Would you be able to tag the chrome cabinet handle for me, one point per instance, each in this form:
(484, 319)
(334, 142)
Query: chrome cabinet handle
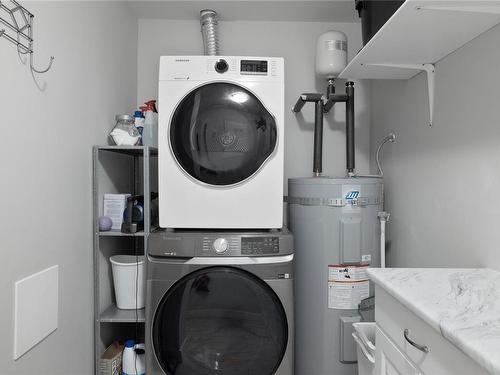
(422, 348)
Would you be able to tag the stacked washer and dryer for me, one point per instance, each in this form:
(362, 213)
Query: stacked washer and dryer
(219, 276)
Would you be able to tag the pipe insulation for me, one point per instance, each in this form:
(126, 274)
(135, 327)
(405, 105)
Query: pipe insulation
(318, 139)
(209, 31)
(350, 144)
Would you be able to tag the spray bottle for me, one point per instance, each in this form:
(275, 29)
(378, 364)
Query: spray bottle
(150, 132)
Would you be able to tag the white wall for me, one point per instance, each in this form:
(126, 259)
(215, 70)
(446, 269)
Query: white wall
(46, 168)
(442, 183)
(296, 42)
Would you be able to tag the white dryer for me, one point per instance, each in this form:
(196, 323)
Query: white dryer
(221, 125)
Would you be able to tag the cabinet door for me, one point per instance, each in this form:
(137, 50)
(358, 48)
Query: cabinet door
(389, 360)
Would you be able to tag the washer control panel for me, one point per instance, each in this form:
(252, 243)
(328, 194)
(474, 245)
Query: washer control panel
(260, 245)
(242, 245)
(220, 245)
(179, 243)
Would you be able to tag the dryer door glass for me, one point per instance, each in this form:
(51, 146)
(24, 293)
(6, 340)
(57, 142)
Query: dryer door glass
(221, 321)
(221, 134)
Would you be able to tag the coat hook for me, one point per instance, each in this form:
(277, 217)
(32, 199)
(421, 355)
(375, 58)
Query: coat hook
(40, 71)
(24, 40)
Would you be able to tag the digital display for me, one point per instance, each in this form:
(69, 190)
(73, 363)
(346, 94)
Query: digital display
(253, 67)
(260, 245)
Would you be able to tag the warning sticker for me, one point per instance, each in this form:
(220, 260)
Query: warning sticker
(347, 286)
(347, 273)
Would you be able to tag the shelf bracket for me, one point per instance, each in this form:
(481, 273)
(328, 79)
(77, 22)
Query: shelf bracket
(430, 69)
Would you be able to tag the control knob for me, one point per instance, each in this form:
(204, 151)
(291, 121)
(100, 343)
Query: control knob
(220, 245)
(221, 66)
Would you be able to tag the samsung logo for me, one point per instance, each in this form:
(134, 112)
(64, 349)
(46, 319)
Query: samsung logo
(182, 60)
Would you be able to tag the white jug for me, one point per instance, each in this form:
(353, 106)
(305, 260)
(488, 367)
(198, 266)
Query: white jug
(133, 359)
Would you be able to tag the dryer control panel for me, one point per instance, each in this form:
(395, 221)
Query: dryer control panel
(234, 68)
(258, 67)
(178, 243)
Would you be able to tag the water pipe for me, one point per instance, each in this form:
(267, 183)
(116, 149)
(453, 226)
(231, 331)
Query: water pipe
(384, 218)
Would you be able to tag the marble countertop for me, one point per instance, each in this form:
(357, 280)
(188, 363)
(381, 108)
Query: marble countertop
(463, 305)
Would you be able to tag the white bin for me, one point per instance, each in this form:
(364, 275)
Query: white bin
(128, 278)
(364, 336)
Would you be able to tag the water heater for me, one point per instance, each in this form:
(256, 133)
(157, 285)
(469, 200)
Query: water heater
(336, 231)
(331, 54)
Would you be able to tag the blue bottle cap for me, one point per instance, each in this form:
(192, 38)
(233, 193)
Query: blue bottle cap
(129, 343)
(138, 114)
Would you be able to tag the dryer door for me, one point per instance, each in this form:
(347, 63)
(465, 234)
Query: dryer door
(221, 321)
(221, 134)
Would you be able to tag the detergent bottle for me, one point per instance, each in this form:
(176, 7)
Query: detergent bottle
(150, 132)
(133, 359)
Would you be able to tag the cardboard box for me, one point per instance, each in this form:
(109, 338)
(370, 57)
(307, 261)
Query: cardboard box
(111, 360)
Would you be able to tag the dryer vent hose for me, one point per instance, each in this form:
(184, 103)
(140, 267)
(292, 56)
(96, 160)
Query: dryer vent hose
(209, 22)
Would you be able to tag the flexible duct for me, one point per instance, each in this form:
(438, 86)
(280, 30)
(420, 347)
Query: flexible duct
(209, 22)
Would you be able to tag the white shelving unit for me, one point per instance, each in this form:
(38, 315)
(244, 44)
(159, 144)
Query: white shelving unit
(420, 34)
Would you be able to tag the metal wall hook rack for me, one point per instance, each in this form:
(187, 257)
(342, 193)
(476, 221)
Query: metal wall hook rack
(19, 30)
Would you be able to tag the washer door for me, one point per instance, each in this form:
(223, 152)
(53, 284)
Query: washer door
(221, 321)
(221, 134)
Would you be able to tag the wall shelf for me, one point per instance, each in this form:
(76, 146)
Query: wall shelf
(420, 34)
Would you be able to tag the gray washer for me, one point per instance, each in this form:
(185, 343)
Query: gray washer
(219, 302)
(334, 221)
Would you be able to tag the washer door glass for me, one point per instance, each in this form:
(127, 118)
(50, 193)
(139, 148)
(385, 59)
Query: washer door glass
(220, 321)
(221, 134)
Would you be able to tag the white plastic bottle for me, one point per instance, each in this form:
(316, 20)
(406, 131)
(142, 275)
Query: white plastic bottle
(139, 124)
(132, 362)
(150, 132)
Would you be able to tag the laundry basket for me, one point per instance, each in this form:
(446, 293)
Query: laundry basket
(128, 278)
(364, 336)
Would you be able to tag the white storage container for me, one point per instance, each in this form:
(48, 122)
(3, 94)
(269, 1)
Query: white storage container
(364, 336)
(133, 363)
(128, 278)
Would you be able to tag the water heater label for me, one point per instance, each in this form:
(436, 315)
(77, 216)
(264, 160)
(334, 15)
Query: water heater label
(347, 296)
(347, 286)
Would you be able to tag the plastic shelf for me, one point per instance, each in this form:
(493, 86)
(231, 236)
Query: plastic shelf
(116, 233)
(114, 315)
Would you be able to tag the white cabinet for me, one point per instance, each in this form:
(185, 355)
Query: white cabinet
(397, 354)
(388, 358)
